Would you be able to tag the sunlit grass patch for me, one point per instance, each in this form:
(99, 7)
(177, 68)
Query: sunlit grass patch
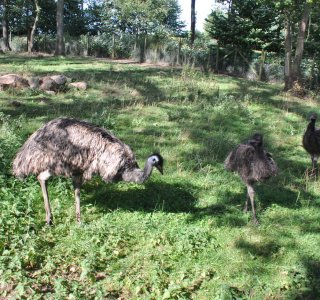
(182, 235)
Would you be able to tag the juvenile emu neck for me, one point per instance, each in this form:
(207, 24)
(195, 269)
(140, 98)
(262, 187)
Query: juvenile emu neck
(312, 125)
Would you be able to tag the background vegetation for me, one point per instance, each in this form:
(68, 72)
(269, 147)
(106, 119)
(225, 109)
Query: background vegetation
(258, 39)
(181, 235)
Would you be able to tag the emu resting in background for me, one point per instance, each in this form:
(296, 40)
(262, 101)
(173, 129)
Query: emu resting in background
(253, 164)
(311, 141)
(78, 149)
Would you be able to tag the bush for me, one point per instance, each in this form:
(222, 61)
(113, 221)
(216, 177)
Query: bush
(19, 44)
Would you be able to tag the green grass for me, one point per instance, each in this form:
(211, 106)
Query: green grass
(181, 235)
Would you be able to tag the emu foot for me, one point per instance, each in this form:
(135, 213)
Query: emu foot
(255, 221)
(49, 222)
(311, 173)
(78, 218)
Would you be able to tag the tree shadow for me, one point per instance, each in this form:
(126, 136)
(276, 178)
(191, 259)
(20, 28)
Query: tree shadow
(229, 210)
(311, 282)
(212, 145)
(264, 248)
(112, 97)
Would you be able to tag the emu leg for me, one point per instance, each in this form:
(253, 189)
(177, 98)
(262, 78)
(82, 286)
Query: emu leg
(43, 177)
(314, 160)
(251, 196)
(77, 182)
(245, 209)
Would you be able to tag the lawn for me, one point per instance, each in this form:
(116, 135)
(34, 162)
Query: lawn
(181, 235)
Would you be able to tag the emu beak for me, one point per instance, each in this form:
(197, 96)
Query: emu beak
(160, 169)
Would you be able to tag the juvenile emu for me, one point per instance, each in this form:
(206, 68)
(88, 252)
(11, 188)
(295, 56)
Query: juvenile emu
(253, 164)
(311, 140)
(78, 149)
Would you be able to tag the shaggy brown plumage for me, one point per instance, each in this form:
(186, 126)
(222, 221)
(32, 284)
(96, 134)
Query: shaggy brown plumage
(78, 149)
(311, 140)
(253, 164)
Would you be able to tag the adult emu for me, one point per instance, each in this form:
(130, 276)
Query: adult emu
(253, 164)
(311, 140)
(78, 149)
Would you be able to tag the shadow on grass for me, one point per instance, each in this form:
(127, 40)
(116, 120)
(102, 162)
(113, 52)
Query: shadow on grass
(311, 290)
(264, 249)
(149, 197)
(216, 132)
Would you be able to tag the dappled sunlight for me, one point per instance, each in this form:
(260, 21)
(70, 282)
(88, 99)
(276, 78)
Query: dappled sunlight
(186, 226)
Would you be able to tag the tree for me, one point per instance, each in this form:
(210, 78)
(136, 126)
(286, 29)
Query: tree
(74, 18)
(300, 43)
(292, 65)
(47, 23)
(259, 25)
(193, 21)
(247, 24)
(34, 26)
(141, 19)
(60, 47)
(5, 22)
(287, 53)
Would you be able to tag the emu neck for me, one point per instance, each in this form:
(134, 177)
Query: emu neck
(138, 175)
(260, 152)
(312, 125)
(146, 171)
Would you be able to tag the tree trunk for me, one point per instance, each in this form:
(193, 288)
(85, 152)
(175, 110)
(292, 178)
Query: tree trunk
(142, 57)
(287, 56)
(113, 54)
(34, 27)
(179, 52)
(86, 50)
(60, 48)
(300, 43)
(5, 36)
(217, 60)
(262, 60)
(193, 21)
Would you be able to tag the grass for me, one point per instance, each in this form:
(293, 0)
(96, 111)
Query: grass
(181, 235)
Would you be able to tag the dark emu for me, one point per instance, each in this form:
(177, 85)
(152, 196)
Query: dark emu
(311, 141)
(78, 149)
(253, 164)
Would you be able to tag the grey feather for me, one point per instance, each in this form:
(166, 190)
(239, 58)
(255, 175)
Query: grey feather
(252, 163)
(73, 148)
(311, 140)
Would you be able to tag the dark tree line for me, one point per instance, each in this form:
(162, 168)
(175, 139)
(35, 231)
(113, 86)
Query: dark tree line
(82, 17)
(288, 28)
(283, 27)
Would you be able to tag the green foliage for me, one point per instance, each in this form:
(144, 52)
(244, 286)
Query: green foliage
(181, 235)
(246, 25)
(141, 17)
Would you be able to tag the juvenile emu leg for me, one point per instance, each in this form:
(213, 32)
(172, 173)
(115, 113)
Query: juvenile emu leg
(251, 196)
(314, 160)
(43, 177)
(77, 182)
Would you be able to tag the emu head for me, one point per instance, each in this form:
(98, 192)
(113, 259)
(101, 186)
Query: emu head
(313, 117)
(256, 140)
(156, 160)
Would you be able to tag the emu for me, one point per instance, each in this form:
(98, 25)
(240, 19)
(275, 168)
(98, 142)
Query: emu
(77, 149)
(311, 140)
(253, 164)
